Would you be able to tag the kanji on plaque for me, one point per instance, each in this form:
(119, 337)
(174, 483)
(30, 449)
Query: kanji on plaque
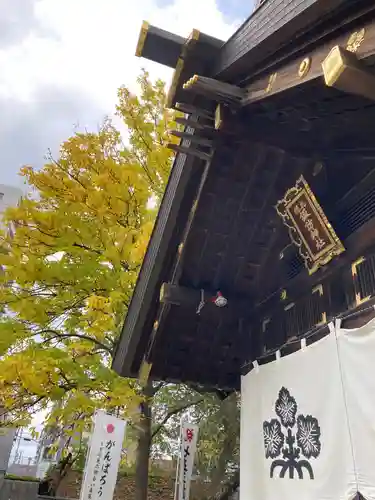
(309, 228)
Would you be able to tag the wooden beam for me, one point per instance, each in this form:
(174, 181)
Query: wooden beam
(226, 121)
(215, 89)
(172, 294)
(159, 45)
(342, 70)
(186, 48)
(272, 28)
(191, 123)
(179, 295)
(200, 300)
(308, 68)
(194, 139)
(189, 151)
(193, 110)
(144, 373)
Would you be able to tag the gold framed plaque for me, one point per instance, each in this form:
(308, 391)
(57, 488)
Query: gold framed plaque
(309, 228)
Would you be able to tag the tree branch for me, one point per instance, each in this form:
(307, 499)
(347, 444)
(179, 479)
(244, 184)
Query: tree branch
(57, 335)
(85, 247)
(175, 411)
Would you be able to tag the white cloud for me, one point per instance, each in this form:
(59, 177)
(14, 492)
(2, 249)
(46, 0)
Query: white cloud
(67, 68)
(94, 43)
(61, 66)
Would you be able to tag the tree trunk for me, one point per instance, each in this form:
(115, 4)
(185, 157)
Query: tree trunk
(143, 451)
(228, 409)
(57, 474)
(221, 465)
(231, 487)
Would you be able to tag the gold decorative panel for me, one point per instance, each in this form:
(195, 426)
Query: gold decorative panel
(308, 226)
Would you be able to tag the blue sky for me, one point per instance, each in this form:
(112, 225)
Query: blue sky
(233, 10)
(61, 62)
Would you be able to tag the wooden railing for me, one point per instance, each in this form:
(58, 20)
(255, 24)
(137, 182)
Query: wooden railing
(294, 318)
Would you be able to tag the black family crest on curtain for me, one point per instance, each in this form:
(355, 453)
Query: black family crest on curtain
(291, 440)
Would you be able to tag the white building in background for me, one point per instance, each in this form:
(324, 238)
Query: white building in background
(9, 197)
(47, 455)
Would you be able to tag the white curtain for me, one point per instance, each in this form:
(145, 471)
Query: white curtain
(295, 435)
(357, 359)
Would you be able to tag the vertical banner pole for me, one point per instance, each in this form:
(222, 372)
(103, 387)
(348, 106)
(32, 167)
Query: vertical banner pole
(189, 440)
(178, 462)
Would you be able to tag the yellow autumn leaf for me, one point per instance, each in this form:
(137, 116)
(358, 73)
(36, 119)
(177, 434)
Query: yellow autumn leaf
(69, 270)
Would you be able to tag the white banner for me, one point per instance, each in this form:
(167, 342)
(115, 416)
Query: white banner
(189, 438)
(357, 360)
(103, 458)
(295, 440)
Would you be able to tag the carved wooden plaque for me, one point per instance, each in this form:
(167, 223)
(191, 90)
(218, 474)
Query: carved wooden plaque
(308, 227)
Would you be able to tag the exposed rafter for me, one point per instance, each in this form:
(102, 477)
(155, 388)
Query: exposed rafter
(194, 139)
(189, 151)
(215, 90)
(173, 294)
(191, 109)
(186, 122)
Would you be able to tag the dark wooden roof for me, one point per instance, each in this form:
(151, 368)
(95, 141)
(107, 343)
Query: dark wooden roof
(223, 210)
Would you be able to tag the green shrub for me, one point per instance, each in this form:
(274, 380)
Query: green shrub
(21, 478)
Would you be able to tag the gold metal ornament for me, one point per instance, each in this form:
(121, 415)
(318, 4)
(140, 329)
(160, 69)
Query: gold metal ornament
(304, 67)
(218, 117)
(271, 82)
(190, 82)
(355, 40)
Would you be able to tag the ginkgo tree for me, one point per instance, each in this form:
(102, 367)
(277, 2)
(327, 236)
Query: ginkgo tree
(68, 269)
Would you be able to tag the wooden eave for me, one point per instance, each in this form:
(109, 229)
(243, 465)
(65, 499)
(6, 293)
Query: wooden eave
(279, 29)
(159, 255)
(159, 45)
(264, 146)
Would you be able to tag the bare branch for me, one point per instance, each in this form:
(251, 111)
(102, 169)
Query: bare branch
(85, 247)
(175, 411)
(57, 335)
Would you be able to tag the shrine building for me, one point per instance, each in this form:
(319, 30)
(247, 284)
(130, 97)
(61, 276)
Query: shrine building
(282, 112)
(266, 233)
